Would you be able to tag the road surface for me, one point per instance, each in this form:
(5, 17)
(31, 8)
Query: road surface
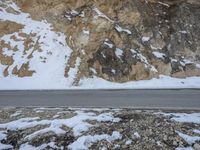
(179, 99)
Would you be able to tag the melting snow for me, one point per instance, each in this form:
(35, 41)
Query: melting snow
(128, 142)
(2, 135)
(189, 139)
(74, 13)
(5, 146)
(159, 55)
(84, 142)
(77, 123)
(184, 148)
(185, 62)
(196, 131)
(163, 82)
(43, 146)
(184, 117)
(198, 66)
(119, 52)
(55, 52)
(145, 39)
(17, 113)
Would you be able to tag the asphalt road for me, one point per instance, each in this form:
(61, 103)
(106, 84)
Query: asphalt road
(179, 99)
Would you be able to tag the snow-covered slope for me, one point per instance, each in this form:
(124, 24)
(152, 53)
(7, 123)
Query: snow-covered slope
(48, 60)
(35, 55)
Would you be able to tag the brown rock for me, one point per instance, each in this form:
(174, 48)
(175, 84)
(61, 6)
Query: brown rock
(8, 27)
(6, 60)
(5, 72)
(23, 71)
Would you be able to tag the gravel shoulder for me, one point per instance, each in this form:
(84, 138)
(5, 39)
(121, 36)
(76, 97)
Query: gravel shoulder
(87, 128)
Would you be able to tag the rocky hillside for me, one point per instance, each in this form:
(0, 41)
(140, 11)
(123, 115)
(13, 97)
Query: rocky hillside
(119, 41)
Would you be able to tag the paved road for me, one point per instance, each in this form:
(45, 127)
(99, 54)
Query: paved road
(186, 99)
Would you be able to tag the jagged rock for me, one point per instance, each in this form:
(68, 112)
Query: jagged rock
(97, 30)
(23, 71)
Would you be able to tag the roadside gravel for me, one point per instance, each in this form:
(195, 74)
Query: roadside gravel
(82, 128)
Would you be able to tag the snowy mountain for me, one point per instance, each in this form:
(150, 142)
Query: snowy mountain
(61, 44)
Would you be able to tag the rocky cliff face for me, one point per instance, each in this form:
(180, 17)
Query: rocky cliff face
(119, 40)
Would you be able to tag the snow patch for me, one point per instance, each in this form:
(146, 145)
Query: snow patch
(27, 146)
(159, 55)
(77, 123)
(119, 52)
(2, 135)
(84, 142)
(74, 13)
(163, 82)
(128, 142)
(86, 32)
(184, 117)
(120, 29)
(108, 44)
(185, 62)
(145, 39)
(136, 135)
(184, 148)
(17, 113)
(196, 131)
(198, 66)
(5, 146)
(73, 71)
(189, 139)
(93, 70)
(113, 71)
(52, 54)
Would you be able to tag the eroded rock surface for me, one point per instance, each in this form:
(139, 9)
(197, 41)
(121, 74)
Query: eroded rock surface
(124, 40)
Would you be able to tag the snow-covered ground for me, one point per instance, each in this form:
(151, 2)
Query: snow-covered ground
(34, 83)
(87, 128)
(77, 123)
(50, 63)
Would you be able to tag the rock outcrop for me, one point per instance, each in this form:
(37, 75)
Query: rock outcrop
(123, 40)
